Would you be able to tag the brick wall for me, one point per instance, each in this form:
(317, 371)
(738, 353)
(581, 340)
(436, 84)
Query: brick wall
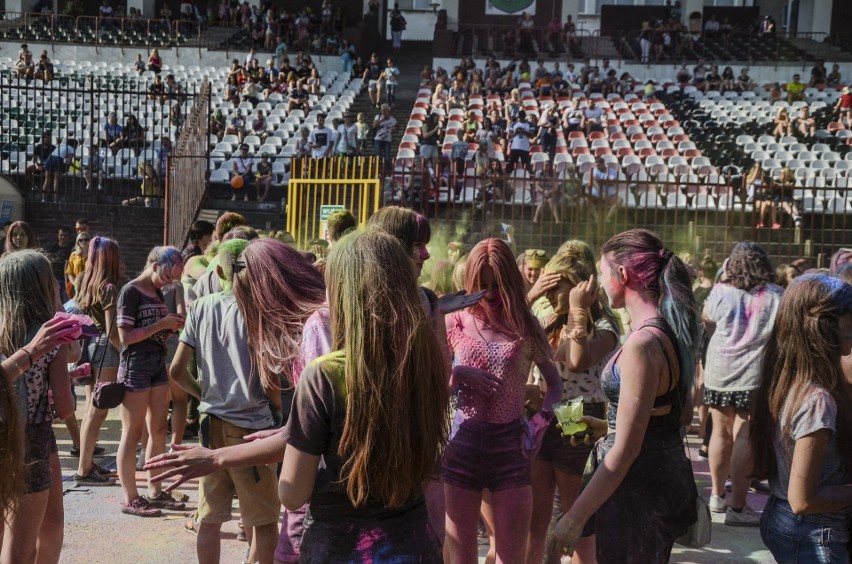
(137, 229)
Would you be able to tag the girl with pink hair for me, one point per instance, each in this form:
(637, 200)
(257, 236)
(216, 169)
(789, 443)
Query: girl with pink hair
(494, 344)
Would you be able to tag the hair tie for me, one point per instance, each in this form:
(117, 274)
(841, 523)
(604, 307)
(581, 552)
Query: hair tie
(665, 254)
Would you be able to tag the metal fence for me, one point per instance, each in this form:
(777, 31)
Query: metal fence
(186, 171)
(99, 31)
(319, 186)
(509, 42)
(695, 216)
(77, 107)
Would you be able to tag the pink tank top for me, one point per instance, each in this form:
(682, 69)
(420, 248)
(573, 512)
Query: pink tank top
(510, 362)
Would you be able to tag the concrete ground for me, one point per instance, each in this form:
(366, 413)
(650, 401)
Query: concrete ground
(97, 532)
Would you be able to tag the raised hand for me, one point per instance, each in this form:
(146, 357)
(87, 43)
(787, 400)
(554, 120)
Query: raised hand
(546, 282)
(584, 294)
(448, 303)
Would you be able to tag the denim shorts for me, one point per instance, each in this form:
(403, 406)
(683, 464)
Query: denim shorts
(101, 348)
(820, 538)
(141, 370)
(483, 455)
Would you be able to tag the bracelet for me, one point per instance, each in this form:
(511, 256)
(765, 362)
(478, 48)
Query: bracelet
(29, 357)
(577, 327)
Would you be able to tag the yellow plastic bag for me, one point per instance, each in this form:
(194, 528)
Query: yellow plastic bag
(567, 414)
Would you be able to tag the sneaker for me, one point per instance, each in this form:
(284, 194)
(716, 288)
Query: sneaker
(140, 507)
(717, 504)
(759, 226)
(798, 221)
(746, 517)
(93, 478)
(776, 226)
(758, 486)
(105, 471)
(165, 501)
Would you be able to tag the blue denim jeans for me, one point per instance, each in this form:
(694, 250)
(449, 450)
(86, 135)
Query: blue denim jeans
(791, 538)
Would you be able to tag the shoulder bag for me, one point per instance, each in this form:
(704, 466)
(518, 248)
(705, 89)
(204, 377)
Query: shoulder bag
(106, 395)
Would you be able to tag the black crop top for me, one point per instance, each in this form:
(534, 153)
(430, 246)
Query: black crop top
(611, 383)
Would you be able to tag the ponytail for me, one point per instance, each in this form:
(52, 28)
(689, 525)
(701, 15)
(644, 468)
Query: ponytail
(657, 271)
(678, 307)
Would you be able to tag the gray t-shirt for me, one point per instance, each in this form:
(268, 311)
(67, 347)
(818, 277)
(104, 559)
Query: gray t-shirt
(743, 321)
(818, 411)
(230, 390)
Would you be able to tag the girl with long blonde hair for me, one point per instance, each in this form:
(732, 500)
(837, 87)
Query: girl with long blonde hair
(375, 410)
(583, 334)
(97, 299)
(494, 344)
(28, 299)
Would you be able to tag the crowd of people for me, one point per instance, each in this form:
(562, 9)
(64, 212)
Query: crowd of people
(382, 389)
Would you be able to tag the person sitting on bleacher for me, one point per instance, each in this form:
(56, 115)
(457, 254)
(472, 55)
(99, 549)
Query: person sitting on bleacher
(469, 127)
(744, 82)
(572, 117)
(592, 118)
(818, 75)
(561, 87)
(40, 154)
(699, 74)
(544, 85)
(231, 93)
(258, 126)
(714, 80)
(783, 125)
(113, 132)
(173, 90)
(594, 82)
(155, 62)
(250, 92)
(805, 124)
(456, 102)
(313, 83)
(834, 79)
(157, 88)
(263, 177)
(133, 135)
(237, 126)
(243, 165)
(795, 89)
(298, 97)
(25, 68)
(44, 69)
(56, 165)
(782, 196)
(603, 192)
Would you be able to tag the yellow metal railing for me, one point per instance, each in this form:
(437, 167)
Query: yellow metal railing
(318, 187)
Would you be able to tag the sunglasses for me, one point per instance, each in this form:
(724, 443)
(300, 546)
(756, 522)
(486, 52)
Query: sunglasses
(535, 253)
